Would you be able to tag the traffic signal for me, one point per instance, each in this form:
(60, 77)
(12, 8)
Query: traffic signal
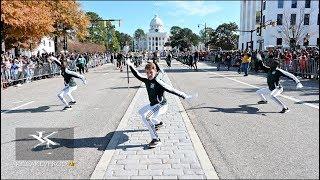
(259, 31)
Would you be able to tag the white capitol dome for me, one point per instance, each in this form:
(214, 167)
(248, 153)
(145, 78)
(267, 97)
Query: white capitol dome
(156, 21)
(156, 24)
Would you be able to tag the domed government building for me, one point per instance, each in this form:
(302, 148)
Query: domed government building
(155, 39)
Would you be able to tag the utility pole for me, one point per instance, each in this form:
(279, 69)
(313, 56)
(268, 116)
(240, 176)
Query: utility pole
(205, 32)
(260, 27)
(107, 20)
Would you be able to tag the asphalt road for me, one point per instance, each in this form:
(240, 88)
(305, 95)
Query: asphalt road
(243, 139)
(247, 140)
(100, 106)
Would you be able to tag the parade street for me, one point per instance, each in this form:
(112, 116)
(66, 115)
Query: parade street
(223, 133)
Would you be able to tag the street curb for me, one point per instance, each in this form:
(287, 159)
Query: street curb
(205, 162)
(103, 163)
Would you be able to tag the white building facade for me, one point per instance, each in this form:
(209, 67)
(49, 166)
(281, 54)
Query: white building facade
(155, 39)
(293, 19)
(46, 45)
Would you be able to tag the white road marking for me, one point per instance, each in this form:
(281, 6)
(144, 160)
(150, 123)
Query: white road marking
(16, 102)
(284, 96)
(17, 107)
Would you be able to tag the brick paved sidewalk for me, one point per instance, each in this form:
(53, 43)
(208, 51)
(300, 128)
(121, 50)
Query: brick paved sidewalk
(175, 158)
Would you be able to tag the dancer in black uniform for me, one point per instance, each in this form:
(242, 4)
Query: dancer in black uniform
(274, 87)
(69, 82)
(158, 103)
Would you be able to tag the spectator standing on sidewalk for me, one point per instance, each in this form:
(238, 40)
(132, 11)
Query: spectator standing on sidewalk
(81, 61)
(14, 71)
(27, 71)
(120, 60)
(7, 67)
(228, 61)
(168, 59)
(158, 103)
(245, 63)
(86, 56)
(20, 71)
(288, 60)
(218, 59)
(196, 59)
(303, 64)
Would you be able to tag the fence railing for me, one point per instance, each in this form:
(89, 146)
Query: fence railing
(44, 70)
(304, 69)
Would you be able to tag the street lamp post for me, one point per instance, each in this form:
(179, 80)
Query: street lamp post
(251, 32)
(106, 20)
(205, 34)
(268, 23)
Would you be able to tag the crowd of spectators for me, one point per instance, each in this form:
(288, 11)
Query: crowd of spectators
(301, 62)
(23, 69)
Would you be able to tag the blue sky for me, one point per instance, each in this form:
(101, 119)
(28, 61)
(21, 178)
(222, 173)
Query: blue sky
(138, 14)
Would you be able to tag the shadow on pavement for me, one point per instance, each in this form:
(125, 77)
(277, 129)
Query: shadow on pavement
(130, 77)
(242, 109)
(314, 101)
(173, 70)
(100, 143)
(225, 76)
(132, 87)
(123, 87)
(31, 110)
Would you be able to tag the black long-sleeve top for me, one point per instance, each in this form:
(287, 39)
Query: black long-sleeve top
(273, 76)
(156, 88)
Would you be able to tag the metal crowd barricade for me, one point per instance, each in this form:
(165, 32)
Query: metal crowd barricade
(45, 70)
(309, 69)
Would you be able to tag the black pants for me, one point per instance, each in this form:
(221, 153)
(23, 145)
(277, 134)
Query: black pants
(81, 69)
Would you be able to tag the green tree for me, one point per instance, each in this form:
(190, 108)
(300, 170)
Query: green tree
(99, 30)
(139, 34)
(205, 34)
(224, 36)
(183, 38)
(114, 44)
(124, 39)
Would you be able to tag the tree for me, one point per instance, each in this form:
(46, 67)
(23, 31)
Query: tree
(138, 36)
(183, 38)
(124, 39)
(114, 45)
(26, 22)
(99, 31)
(292, 33)
(69, 16)
(205, 34)
(224, 36)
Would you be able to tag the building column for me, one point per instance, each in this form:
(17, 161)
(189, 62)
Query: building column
(241, 23)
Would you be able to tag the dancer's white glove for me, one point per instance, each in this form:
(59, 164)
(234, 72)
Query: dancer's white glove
(84, 80)
(190, 97)
(129, 63)
(299, 85)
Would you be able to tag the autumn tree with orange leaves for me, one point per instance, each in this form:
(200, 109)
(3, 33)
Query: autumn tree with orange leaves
(25, 22)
